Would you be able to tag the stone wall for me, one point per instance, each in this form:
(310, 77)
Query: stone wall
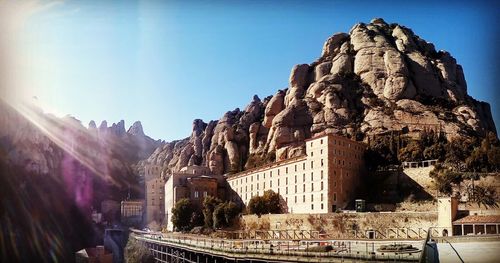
(340, 224)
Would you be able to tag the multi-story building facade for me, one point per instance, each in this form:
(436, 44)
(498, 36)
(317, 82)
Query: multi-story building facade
(131, 211)
(155, 205)
(194, 183)
(322, 181)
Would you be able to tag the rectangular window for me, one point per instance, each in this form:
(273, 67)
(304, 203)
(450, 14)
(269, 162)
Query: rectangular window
(321, 185)
(312, 164)
(257, 177)
(286, 190)
(321, 206)
(321, 141)
(312, 198)
(286, 170)
(278, 171)
(295, 167)
(334, 197)
(196, 194)
(321, 162)
(312, 187)
(321, 174)
(303, 166)
(312, 206)
(278, 182)
(304, 187)
(271, 184)
(312, 154)
(264, 185)
(295, 178)
(303, 177)
(205, 194)
(303, 198)
(295, 199)
(295, 188)
(321, 197)
(312, 176)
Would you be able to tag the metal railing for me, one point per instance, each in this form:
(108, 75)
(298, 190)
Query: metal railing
(344, 249)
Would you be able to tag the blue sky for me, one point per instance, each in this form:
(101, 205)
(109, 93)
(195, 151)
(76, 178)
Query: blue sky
(167, 63)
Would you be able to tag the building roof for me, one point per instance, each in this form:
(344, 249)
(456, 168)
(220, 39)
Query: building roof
(478, 219)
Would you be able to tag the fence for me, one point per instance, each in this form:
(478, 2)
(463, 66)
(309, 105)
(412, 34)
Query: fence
(283, 249)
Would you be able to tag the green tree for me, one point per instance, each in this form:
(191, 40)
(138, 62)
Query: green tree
(483, 196)
(256, 205)
(272, 202)
(444, 177)
(209, 205)
(413, 152)
(231, 211)
(181, 214)
(218, 217)
(268, 203)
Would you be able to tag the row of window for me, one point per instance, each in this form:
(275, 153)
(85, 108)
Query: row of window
(286, 188)
(197, 194)
(341, 143)
(240, 180)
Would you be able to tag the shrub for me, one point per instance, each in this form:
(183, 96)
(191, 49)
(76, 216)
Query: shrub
(209, 205)
(182, 213)
(267, 203)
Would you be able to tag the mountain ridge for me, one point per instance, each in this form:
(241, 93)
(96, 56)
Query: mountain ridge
(375, 79)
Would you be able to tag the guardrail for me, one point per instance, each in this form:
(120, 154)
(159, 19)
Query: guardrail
(284, 249)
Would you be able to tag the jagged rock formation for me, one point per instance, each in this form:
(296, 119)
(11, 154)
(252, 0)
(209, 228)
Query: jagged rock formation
(44, 144)
(375, 79)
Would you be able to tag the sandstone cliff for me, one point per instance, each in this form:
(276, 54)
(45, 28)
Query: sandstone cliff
(377, 78)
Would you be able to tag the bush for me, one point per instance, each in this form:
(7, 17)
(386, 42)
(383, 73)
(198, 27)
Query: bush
(182, 213)
(209, 205)
(444, 177)
(267, 203)
(135, 252)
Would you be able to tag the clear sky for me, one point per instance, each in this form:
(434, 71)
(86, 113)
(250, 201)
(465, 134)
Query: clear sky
(167, 63)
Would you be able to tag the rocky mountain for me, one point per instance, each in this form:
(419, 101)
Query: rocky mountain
(375, 79)
(54, 172)
(43, 144)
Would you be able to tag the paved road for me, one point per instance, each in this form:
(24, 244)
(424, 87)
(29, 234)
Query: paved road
(469, 252)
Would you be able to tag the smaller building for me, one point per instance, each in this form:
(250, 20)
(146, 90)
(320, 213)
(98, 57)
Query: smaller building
(131, 212)
(453, 222)
(194, 183)
(477, 225)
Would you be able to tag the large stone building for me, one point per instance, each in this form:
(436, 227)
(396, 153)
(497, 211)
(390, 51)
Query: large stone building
(154, 182)
(322, 181)
(194, 183)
